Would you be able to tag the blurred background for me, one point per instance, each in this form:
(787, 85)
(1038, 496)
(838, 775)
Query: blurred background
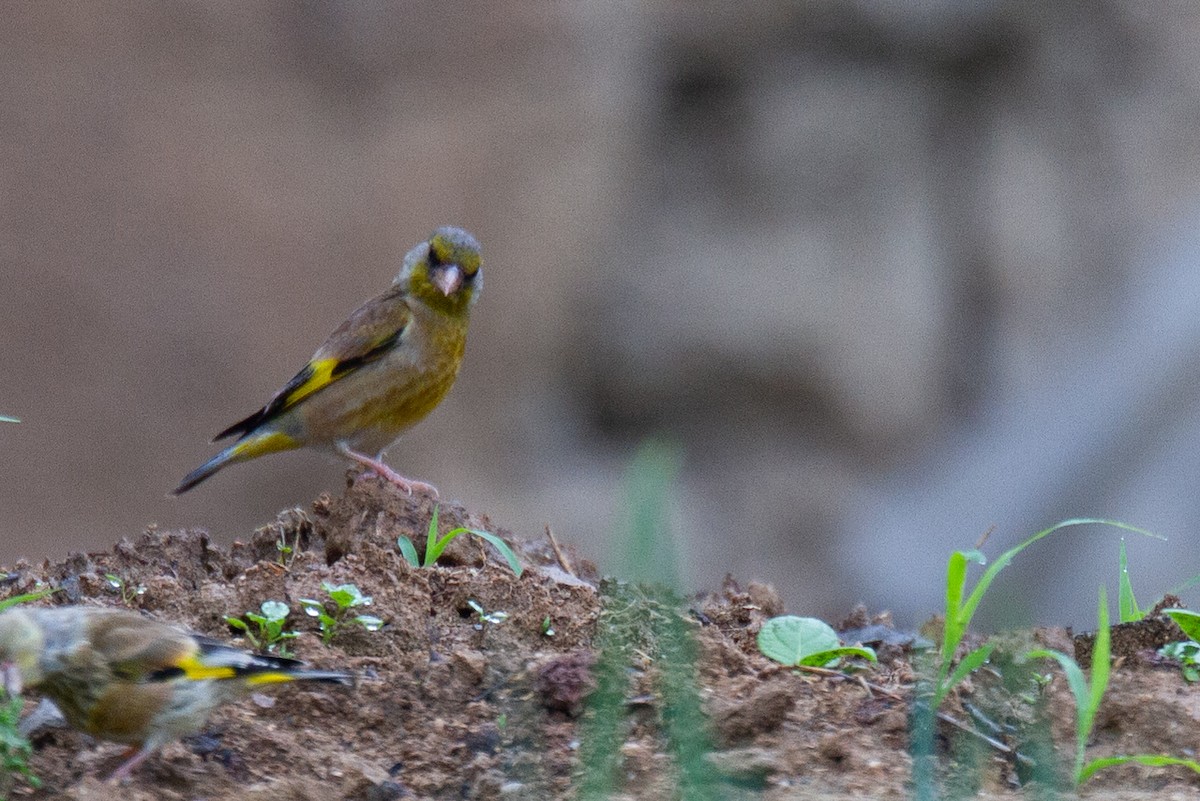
(889, 274)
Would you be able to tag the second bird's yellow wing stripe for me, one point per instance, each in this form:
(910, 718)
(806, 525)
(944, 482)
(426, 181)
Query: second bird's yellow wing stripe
(196, 669)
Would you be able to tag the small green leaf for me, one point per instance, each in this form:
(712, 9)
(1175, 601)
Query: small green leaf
(1187, 620)
(237, 623)
(25, 598)
(346, 596)
(369, 622)
(275, 610)
(969, 663)
(823, 658)
(311, 606)
(499, 544)
(408, 551)
(1127, 606)
(790, 639)
(431, 538)
(1151, 760)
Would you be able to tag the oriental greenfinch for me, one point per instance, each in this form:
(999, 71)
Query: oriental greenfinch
(378, 374)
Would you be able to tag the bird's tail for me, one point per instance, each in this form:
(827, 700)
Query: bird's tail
(248, 447)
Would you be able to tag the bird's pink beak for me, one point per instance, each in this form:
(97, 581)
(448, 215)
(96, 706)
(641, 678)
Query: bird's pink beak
(11, 676)
(449, 279)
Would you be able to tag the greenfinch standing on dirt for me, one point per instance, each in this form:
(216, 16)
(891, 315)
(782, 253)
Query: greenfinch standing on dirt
(119, 676)
(378, 374)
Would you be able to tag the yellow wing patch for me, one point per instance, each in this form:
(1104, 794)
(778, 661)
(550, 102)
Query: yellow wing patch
(195, 669)
(319, 375)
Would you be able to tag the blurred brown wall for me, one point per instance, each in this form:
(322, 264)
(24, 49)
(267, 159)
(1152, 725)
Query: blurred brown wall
(807, 241)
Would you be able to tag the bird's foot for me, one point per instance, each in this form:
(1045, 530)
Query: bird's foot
(133, 757)
(380, 469)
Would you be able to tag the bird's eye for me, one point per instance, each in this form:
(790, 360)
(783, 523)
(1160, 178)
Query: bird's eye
(434, 258)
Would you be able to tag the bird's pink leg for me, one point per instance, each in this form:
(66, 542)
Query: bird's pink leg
(136, 756)
(379, 468)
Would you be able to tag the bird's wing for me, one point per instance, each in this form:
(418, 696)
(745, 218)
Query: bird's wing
(141, 650)
(136, 648)
(369, 333)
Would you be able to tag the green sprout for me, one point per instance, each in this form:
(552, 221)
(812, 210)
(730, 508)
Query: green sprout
(646, 619)
(15, 748)
(288, 528)
(285, 551)
(960, 608)
(1185, 652)
(960, 612)
(494, 618)
(345, 597)
(270, 634)
(36, 595)
(1087, 694)
(128, 592)
(547, 627)
(1127, 607)
(805, 641)
(434, 545)
(1087, 702)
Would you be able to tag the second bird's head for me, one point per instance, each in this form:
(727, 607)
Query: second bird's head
(444, 271)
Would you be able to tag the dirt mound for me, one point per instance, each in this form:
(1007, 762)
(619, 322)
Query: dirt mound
(453, 705)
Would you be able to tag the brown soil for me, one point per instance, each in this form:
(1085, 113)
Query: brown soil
(448, 708)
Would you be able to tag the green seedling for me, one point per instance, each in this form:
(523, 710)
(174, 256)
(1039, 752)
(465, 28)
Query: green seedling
(435, 545)
(15, 749)
(805, 641)
(128, 592)
(1127, 607)
(1187, 620)
(643, 620)
(285, 552)
(547, 627)
(495, 618)
(1088, 696)
(267, 633)
(960, 611)
(1187, 654)
(288, 528)
(1150, 760)
(345, 597)
(36, 595)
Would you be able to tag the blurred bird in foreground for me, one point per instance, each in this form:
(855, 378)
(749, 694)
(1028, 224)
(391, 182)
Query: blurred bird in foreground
(119, 676)
(378, 374)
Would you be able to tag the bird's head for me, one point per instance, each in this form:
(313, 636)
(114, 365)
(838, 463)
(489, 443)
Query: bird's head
(444, 271)
(21, 644)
